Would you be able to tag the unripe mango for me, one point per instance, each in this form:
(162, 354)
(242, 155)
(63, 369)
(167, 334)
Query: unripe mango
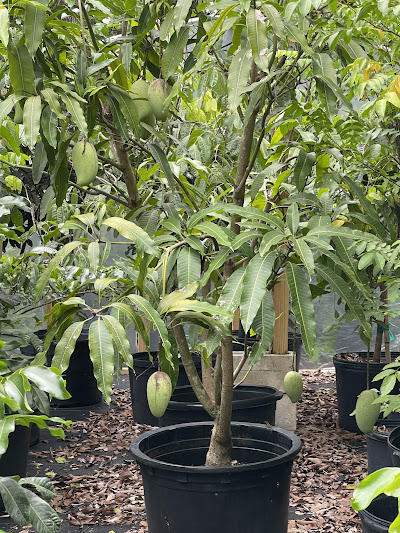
(85, 162)
(366, 412)
(158, 93)
(159, 392)
(139, 91)
(293, 386)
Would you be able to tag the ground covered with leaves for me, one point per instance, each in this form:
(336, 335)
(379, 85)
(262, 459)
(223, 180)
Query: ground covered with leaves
(98, 483)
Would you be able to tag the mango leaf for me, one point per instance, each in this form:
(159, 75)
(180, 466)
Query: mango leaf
(238, 77)
(4, 24)
(373, 485)
(34, 22)
(263, 324)
(295, 35)
(269, 240)
(173, 54)
(340, 231)
(216, 263)
(255, 281)
(275, 20)
(76, 112)
(161, 159)
(213, 230)
(49, 125)
(15, 387)
(14, 498)
(42, 484)
(188, 266)
(345, 292)
(154, 318)
(133, 233)
(128, 108)
(22, 76)
(257, 35)
(7, 426)
(305, 254)
(118, 117)
(181, 11)
(47, 380)
(31, 117)
(6, 106)
(66, 346)
(201, 307)
(303, 168)
(293, 218)
(120, 339)
(232, 291)
(102, 356)
(39, 162)
(51, 98)
(54, 263)
(94, 255)
(43, 518)
(302, 305)
(136, 320)
(176, 296)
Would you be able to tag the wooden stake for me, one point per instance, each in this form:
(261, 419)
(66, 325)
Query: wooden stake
(280, 296)
(235, 323)
(140, 343)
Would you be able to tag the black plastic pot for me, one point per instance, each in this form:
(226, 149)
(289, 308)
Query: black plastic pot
(35, 435)
(379, 515)
(184, 496)
(351, 380)
(251, 403)
(14, 461)
(144, 368)
(394, 446)
(379, 454)
(79, 376)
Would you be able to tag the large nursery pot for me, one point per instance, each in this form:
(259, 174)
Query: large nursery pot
(144, 368)
(394, 446)
(14, 461)
(182, 495)
(379, 453)
(251, 403)
(79, 376)
(351, 380)
(379, 515)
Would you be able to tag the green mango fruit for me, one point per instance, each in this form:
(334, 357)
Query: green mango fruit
(18, 114)
(85, 162)
(158, 93)
(293, 386)
(159, 392)
(366, 412)
(139, 91)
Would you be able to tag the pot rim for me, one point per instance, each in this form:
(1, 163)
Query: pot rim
(273, 395)
(143, 458)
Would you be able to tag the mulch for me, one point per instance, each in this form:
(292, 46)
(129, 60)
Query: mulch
(97, 482)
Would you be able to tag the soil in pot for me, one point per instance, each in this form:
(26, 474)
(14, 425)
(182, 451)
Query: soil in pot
(351, 380)
(184, 496)
(144, 368)
(251, 403)
(379, 454)
(379, 515)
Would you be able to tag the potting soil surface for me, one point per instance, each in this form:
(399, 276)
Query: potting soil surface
(99, 487)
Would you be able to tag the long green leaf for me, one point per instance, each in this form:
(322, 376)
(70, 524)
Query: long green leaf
(255, 281)
(153, 317)
(136, 320)
(120, 339)
(14, 498)
(232, 291)
(336, 231)
(305, 254)
(274, 19)
(43, 518)
(263, 324)
(22, 76)
(375, 484)
(66, 346)
(102, 356)
(7, 426)
(303, 168)
(173, 54)
(302, 305)
(34, 23)
(257, 35)
(216, 263)
(176, 296)
(54, 263)
(76, 111)
(128, 108)
(163, 163)
(4, 24)
(181, 11)
(133, 233)
(31, 117)
(345, 292)
(218, 232)
(47, 380)
(188, 266)
(49, 125)
(238, 77)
